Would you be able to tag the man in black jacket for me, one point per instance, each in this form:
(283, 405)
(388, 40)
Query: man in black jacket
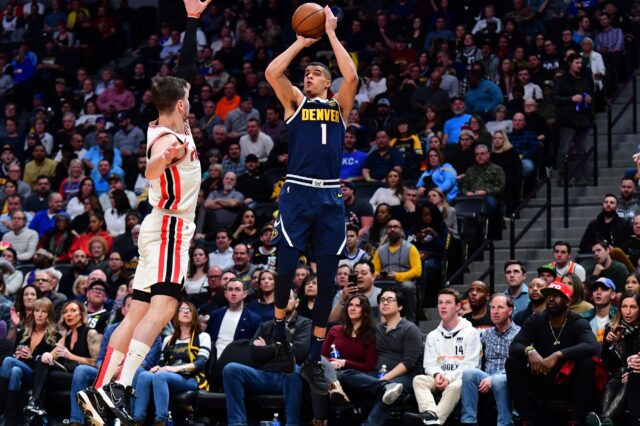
(574, 96)
(606, 226)
(550, 358)
(238, 379)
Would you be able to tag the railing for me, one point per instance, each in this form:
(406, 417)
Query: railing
(611, 122)
(487, 243)
(569, 175)
(513, 238)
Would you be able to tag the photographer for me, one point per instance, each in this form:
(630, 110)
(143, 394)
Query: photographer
(360, 282)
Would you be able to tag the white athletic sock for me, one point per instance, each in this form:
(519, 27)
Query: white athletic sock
(137, 352)
(110, 367)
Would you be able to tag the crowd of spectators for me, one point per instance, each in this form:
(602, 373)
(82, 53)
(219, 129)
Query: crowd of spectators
(456, 99)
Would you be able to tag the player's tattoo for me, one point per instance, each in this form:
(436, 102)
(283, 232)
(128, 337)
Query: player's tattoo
(94, 340)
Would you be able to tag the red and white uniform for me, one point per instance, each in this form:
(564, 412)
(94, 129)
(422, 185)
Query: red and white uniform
(165, 234)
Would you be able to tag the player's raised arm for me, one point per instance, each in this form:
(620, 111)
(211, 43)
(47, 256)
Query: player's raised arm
(287, 93)
(164, 151)
(187, 67)
(347, 93)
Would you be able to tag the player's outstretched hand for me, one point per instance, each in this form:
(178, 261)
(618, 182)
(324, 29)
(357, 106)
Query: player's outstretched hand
(173, 151)
(306, 41)
(331, 22)
(195, 7)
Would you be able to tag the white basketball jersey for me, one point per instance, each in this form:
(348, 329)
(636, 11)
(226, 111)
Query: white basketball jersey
(177, 189)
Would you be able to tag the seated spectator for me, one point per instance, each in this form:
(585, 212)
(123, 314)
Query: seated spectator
(480, 315)
(44, 220)
(352, 158)
(562, 262)
(14, 203)
(439, 174)
(430, 238)
(602, 293)
(605, 266)
(96, 229)
(98, 254)
(40, 165)
(97, 314)
(446, 360)
(544, 345)
(595, 61)
(234, 322)
(59, 240)
(84, 375)
(41, 260)
(75, 206)
(245, 231)
(515, 274)
(91, 204)
(222, 256)
(438, 199)
(406, 212)
(578, 305)
(23, 310)
(485, 179)
(392, 193)
(125, 241)
(354, 253)
(363, 284)
(495, 341)
(23, 240)
(38, 198)
(44, 281)
(242, 268)
(226, 202)
(409, 146)
(621, 342)
(195, 284)
(239, 379)
(236, 121)
(216, 291)
(84, 350)
(453, 125)
(378, 233)
(354, 339)
(398, 353)
(307, 295)
(117, 275)
(103, 148)
(181, 367)
(273, 125)
(38, 337)
(253, 185)
(506, 156)
(628, 204)
(116, 183)
(265, 255)
(501, 122)
(398, 260)
(358, 212)
(632, 283)
(482, 96)
(255, 141)
(70, 186)
(536, 304)
(480, 133)
(12, 279)
(380, 161)
(526, 144)
(431, 134)
(264, 304)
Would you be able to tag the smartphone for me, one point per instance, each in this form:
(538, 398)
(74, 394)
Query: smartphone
(353, 280)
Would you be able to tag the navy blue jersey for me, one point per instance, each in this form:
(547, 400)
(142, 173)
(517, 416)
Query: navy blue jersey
(316, 136)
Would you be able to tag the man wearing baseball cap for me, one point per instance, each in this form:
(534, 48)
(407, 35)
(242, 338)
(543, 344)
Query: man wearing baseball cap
(549, 343)
(603, 290)
(547, 272)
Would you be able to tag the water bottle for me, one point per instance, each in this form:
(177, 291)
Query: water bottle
(382, 371)
(169, 419)
(578, 106)
(117, 422)
(335, 353)
(276, 420)
(584, 99)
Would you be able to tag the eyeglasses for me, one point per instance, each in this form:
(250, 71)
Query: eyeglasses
(184, 310)
(41, 280)
(98, 290)
(387, 299)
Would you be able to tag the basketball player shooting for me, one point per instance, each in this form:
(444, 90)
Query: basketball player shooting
(173, 170)
(311, 208)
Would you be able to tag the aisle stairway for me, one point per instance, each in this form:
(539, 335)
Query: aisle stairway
(585, 204)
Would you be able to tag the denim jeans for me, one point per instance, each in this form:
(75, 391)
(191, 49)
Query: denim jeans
(528, 167)
(83, 376)
(160, 384)
(17, 373)
(471, 378)
(357, 382)
(238, 379)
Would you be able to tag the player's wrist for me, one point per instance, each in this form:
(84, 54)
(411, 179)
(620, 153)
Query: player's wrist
(193, 15)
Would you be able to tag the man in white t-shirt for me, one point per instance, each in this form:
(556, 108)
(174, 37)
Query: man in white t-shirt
(233, 322)
(222, 256)
(563, 263)
(603, 290)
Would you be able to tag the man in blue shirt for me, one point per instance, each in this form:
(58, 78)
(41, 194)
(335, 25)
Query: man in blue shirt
(352, 159)
(44, 220)
(483, 95)
(453, 125)
(379, 162)
(515, 274)
(95, 154)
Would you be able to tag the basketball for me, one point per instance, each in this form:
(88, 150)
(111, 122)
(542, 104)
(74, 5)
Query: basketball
(308, 20)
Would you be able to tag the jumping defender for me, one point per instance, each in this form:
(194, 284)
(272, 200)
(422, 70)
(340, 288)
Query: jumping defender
(173, 170)
(311, 208)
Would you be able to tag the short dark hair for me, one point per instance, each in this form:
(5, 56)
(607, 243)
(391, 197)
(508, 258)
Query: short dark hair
(604, 243)
(573, 57)
(395, 290)
(628, 178)
(325, 69)
(451, 292)
(562, 243)
(514, 262)
(372, 268)
(224, 231)
(167, 91)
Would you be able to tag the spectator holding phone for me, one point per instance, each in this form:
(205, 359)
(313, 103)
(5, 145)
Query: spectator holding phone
(622, 340)
(360, 282)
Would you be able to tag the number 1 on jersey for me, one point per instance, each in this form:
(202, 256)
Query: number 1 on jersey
(324, 133)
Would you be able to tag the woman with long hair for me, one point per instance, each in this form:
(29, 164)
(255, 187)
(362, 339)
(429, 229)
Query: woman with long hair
(59, 240)
(632, 283)
(245, 230)
(115, 217)
(430, 238)
(12, 279)
(308, 296)
(355, 123)
(432, 125)
(392, 193)
(96, 228)
(506, 77)
(196, 283)
(378, 231)
(40, 335)
(263, 305)
(437, 198)
(80, 223)
(10, 188)
(181, 367)
(500, 121)
(78, 345)
(213, 181)
(477, 126)
(408, 143)
(506, 156)
(439, 174)
(622, 340)
(79, 287)
(578, 305)
(75, 206)
(22, 309)
(70, 186)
